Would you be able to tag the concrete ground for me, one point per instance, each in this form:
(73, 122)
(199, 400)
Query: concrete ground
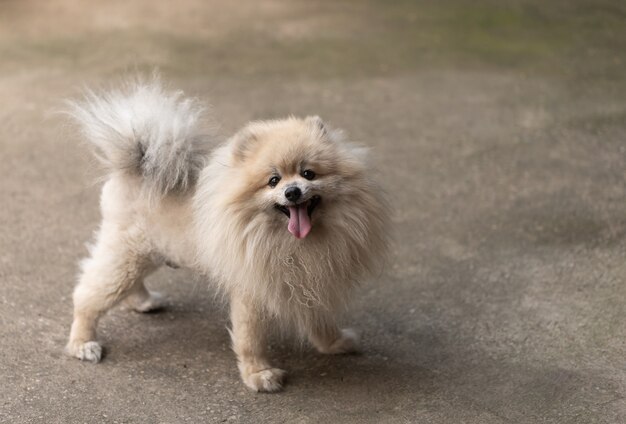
(499, 130)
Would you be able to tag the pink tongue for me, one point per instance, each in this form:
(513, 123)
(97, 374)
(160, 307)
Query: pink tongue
(299, 222)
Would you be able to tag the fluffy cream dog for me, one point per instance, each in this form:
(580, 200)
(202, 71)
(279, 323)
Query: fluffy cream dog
(284, 217)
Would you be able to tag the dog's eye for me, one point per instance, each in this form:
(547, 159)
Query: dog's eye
(273, 181)
(308, 174)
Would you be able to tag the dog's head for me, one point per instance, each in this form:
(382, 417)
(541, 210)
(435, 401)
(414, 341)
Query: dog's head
(298, 173)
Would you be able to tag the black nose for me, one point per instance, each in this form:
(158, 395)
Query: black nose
(293, 194)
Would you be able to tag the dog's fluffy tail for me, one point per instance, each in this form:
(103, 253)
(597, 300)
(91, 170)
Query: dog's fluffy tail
(147, 131)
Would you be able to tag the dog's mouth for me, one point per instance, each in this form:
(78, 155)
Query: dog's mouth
(300, 216)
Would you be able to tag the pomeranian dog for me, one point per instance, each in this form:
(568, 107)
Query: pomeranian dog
(284, 217)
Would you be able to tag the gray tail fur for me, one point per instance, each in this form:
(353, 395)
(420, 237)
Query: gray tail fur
(147, 131)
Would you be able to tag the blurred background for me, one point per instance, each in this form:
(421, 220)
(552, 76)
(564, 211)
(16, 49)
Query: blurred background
(498, 129)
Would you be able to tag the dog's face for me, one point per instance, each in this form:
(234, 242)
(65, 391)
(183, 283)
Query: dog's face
(295, 172)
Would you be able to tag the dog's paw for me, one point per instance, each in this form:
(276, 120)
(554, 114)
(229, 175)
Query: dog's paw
(88, 351)
(348, 342)
(153, 302)
(268, 380)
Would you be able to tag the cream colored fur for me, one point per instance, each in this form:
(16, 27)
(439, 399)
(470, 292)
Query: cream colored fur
(221, 220)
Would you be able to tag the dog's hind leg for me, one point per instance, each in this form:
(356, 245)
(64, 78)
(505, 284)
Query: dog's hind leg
(116, 267)
(141, 299)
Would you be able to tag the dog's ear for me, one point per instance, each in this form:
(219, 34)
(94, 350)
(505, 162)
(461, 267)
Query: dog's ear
(242, 142)
(317, 123)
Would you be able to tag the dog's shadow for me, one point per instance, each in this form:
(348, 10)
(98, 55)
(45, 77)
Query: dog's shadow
(192, 331)
(398, 375)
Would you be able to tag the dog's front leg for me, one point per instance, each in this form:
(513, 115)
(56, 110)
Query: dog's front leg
(249, 335)
(330, 339)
